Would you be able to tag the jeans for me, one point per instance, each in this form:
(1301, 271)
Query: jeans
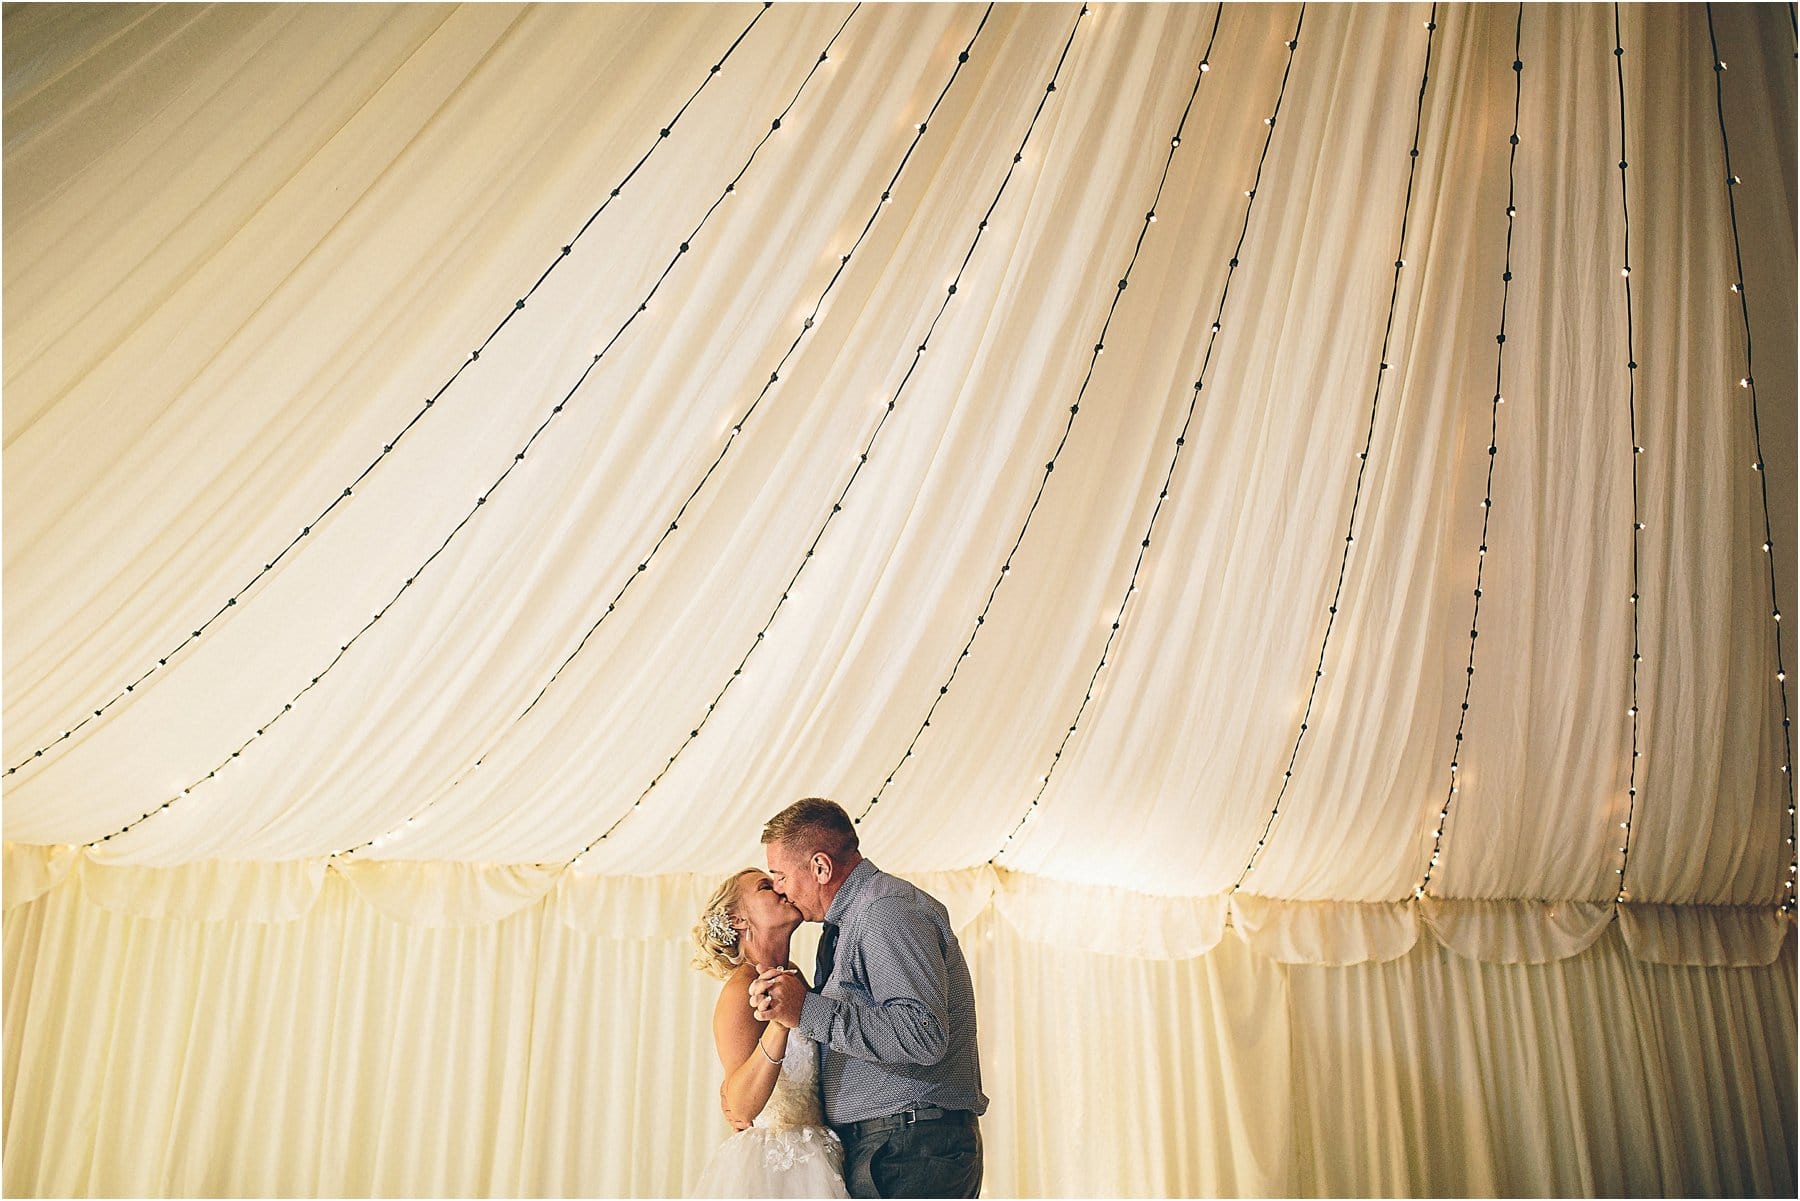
(940, 1158)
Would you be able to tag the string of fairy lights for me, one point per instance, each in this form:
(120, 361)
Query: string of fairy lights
(886, 411)
(1050, 466)
(807, 324)
(1454, 786)
(1162, 495)
(1362, 458)
(344, 494)
(1637, 451)
(1747, 383)
(513, 463)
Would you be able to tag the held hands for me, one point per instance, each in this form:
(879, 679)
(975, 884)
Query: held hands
(776, 995)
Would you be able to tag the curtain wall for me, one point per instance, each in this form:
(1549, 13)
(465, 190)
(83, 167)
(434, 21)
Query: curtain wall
(360, 1042)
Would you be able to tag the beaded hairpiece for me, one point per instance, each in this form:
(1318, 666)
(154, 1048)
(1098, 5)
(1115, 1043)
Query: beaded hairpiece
(718, 925)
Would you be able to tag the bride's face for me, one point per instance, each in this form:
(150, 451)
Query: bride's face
(762, 907)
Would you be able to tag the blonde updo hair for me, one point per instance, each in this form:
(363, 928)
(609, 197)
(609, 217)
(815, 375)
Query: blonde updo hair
(718, 957)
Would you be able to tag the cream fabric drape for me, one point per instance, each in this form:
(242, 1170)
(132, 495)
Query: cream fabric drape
(244, 243)
(343, 1053)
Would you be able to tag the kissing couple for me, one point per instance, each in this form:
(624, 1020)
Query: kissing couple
(866, 1082)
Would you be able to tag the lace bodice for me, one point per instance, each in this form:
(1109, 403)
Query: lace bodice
(795, 1101)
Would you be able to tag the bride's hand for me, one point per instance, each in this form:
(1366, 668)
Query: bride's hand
(779, 997)
(761, 990)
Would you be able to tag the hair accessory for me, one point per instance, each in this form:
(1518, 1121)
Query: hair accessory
(718, 925)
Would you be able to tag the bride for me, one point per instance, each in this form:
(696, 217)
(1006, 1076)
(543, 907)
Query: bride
(771, 1072)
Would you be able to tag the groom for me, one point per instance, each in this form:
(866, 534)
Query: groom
(891, 1009)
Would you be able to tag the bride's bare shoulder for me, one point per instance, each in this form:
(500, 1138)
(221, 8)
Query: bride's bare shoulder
(734, 993)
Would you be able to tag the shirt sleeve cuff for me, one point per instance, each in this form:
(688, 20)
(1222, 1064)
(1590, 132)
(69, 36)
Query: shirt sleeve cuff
(815, 1017)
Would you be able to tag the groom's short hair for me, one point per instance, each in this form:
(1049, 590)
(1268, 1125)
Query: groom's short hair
(813, 824)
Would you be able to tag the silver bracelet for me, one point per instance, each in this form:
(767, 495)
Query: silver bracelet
(767, 1056)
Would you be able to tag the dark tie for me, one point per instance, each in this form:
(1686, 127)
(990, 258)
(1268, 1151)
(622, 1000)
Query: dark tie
(827, 949)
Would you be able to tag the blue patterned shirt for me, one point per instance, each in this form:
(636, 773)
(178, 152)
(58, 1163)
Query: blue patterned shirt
(895, 1023)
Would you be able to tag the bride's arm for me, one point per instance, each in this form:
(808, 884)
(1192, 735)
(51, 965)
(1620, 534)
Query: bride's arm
(749, 1050)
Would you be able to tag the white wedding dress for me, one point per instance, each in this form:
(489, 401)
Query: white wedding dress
(789, 1151)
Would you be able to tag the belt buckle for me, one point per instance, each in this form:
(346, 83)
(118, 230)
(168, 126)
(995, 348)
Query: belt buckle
(909, 1117)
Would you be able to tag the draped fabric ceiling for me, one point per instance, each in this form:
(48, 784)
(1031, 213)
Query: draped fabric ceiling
(701, 530)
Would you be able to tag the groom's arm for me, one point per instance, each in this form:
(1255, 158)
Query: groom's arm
(904, 1017)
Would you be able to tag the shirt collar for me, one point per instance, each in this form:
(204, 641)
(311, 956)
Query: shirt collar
(846, 896)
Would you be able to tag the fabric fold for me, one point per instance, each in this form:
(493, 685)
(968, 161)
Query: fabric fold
(32, 871)
(1704, 935)
(1515, 931)
(1110, 921)
(448, 894)
(207, 891)
(1324, 932)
